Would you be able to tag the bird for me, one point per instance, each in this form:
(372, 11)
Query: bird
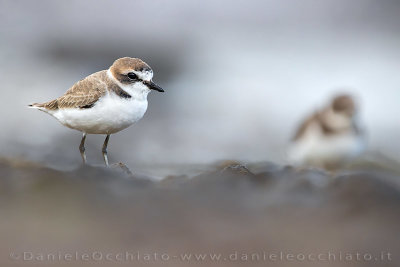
(104, 102)
(329, 137)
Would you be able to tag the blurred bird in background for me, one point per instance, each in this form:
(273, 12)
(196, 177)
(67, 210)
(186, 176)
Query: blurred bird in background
(330, 137)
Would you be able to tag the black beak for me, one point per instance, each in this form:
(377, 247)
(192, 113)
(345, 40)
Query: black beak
(153, 86)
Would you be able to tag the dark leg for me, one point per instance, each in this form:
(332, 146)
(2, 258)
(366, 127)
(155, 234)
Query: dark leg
(104, 150)
(82, 148)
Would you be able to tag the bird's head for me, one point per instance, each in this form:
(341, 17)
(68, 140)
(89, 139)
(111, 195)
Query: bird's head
(344, 105)
(135, 73)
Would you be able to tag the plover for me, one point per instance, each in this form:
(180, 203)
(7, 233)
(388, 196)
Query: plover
(329, 137)
(105, 102)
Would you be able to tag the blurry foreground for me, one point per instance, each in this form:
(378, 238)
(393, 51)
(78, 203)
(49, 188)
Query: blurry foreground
(228, 215)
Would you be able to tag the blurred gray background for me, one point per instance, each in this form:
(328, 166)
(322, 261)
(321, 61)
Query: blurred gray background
(239, 76)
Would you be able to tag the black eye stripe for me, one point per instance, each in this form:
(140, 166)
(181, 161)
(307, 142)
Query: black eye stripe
(132, 76)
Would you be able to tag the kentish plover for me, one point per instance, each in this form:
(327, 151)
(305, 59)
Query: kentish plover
(105, 102)
(329, 137)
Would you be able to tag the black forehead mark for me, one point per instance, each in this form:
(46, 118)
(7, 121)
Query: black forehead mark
(144, 69)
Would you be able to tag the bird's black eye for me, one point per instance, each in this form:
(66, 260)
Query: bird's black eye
(132, 76)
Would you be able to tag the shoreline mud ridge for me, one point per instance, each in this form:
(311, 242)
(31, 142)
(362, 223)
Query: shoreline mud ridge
(229, 207)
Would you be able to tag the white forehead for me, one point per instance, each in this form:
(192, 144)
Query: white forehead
(146, 75)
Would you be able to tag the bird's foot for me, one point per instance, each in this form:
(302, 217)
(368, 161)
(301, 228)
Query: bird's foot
(123, 167)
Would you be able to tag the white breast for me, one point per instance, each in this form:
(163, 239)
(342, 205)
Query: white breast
(317, 148)
(109, 115)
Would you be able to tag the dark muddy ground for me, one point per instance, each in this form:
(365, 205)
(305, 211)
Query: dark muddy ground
(240, 215)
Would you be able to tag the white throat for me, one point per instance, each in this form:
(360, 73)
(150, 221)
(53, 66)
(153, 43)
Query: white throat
(337, 121)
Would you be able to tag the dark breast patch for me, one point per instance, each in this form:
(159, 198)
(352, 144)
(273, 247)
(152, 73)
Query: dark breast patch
(123, 94)
(87, 106)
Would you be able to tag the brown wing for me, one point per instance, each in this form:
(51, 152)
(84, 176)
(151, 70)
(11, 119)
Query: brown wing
(303, 127)
(83, 94)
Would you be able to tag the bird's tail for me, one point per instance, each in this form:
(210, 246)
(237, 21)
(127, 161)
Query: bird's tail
(37, 106)
(51, 105)
(34, 105)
